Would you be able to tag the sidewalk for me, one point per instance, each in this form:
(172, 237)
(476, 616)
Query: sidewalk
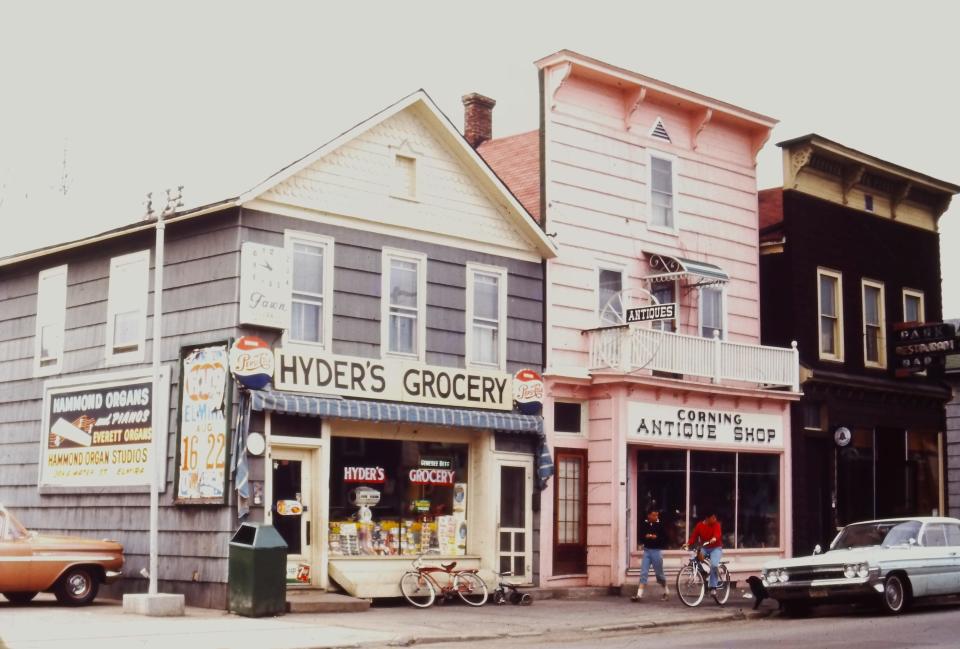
(45, 625)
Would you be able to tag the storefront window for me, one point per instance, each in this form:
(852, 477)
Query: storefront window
(923, 473)
(742, 489)
(662, 485)
(390, 497)
(855, 478)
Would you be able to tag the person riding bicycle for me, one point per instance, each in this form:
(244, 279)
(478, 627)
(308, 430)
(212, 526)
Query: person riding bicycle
(653, 538)
(708, 533)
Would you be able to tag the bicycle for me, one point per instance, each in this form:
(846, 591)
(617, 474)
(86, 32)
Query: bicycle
(514, 596)
(693, 578)
(420, 586)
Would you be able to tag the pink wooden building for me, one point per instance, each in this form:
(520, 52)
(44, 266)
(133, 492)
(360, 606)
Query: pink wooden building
(649, 190)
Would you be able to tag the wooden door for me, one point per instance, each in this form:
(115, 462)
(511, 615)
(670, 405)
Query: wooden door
(570, 512)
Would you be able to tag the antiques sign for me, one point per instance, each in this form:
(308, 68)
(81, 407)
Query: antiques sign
(203, 431)
(98, 434)
(682, 425)
(917, 347)
(392, 380)
(666, 311)
(264, 286)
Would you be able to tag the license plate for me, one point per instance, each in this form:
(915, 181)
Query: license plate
(817, 592)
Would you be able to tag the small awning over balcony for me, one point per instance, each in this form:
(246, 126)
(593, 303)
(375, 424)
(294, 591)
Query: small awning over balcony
(668, 268)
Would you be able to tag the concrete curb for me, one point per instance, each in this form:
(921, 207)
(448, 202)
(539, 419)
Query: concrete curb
(731, 616)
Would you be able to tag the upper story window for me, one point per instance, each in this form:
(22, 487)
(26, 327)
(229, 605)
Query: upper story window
(662, 191)
(830, 309)
(712, 311)
(403, 321)
(874, 327)
(570, 417)
(311, 298)
(665, 292)
(913, 308)
(486, 315)
(609, 304)
(127, 307)
(51, 318)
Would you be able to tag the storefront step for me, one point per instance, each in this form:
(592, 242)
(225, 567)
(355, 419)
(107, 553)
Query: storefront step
(577, 592)
(321, 601)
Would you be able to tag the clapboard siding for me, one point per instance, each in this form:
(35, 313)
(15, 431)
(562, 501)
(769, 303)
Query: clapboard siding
(357, 287)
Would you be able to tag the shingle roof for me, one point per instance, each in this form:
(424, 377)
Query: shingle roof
(516, 160)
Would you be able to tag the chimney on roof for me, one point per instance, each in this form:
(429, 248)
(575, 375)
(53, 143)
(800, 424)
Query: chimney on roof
(477, 118)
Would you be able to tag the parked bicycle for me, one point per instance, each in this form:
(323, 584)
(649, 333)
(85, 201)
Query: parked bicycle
(421, 585)
(693, 578)
(509, 592)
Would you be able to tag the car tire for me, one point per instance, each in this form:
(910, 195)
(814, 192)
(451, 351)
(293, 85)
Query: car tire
(77, 587)
(20, 597)
(896, 595)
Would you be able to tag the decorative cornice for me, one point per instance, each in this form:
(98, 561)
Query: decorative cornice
(851, 176)
(555, 79)
(632, 105)
(898, 196)
(799, 159)
(700, 123)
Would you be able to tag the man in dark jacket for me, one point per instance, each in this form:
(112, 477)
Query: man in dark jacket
(654, 539)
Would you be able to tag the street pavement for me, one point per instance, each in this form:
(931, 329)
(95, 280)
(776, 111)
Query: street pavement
(45, 625)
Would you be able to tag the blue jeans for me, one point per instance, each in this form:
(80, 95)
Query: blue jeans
(652, 556)
(714, 555)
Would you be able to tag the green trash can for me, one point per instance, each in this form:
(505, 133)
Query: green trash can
(257, 572)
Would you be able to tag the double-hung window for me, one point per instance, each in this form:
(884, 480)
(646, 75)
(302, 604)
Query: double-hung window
(830, 310)
(874, 327)
(311, 298)
(51, 316)
(913, 309)
(127, 307)
(662, 191)
(403, 322)
(486, 316)
(666, 293)
(712, 311)
(609, 300)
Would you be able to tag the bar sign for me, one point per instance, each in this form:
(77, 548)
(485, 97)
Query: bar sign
(667, 311)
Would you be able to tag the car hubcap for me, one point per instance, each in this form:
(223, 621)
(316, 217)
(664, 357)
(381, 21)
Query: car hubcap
(894, 594)
(78, 585)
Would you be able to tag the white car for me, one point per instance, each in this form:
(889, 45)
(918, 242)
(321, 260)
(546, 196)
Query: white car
(889, 561)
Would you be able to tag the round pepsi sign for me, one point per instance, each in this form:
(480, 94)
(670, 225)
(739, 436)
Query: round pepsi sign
(528, 392)
(251, 362)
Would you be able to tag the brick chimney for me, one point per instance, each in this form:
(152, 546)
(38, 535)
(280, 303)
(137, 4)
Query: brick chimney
(477, 118)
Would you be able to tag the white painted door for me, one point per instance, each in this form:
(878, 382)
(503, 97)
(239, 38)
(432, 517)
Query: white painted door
(515, 519)
(292, 485)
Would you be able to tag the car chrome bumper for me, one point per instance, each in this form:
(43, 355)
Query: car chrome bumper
(110, 576)
(824, 589)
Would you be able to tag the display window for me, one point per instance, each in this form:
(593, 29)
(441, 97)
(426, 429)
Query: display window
(742, 489)
(392, 497)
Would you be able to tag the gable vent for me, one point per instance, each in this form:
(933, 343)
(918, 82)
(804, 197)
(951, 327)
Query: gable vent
(659, 131)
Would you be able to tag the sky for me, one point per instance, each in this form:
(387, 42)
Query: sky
(102, 102)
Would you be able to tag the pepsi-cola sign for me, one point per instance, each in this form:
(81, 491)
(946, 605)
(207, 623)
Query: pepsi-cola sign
(528, 392)
(251, 362)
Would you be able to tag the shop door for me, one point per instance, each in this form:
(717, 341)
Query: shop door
(515, 531)
(292, 510)
(570, 513)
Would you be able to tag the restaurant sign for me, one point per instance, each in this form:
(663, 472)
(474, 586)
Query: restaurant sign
(99, 433)
(918, 347)
(686, 426)
(392, 380)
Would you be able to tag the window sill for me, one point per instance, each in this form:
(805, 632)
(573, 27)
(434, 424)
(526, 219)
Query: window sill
(112, 361)
(663, 230)
(832, 359)
(47, 370)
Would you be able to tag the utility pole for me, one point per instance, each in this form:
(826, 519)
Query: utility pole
(153, 603)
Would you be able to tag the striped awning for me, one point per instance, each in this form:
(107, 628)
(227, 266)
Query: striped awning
(669, 268)
(377, 411)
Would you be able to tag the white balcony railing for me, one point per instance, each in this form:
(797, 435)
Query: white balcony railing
(629, 350)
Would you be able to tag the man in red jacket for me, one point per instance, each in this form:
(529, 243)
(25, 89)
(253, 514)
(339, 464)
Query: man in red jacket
(708, 533)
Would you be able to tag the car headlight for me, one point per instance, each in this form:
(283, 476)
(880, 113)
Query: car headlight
(783, 576)
(849, 571)
(770, 576)
(863, 570)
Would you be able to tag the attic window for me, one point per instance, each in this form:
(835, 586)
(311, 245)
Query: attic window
(868, 202)
(405, 177)
(659, 131)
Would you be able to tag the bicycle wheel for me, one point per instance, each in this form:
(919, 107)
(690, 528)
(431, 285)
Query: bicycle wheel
(471, 588)
(723, 585)
(690, 585)
(417, 589)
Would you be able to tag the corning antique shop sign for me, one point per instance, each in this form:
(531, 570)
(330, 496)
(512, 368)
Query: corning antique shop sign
(682, 425)
(666, 311)
(392, 380)
(264, 286)
(920, 347)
